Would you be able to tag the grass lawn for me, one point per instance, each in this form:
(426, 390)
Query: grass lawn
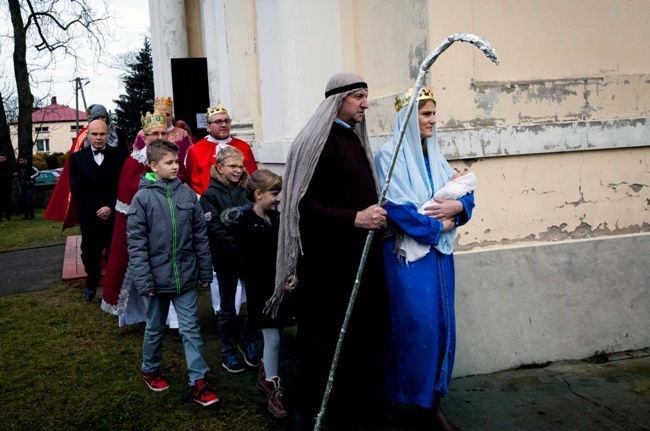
(66, 365)
(18, 234)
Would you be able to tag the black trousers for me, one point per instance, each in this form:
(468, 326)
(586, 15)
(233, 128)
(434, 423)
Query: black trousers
(96, 236)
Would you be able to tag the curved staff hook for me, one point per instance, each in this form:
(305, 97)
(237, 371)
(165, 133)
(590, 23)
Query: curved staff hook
(489, 52)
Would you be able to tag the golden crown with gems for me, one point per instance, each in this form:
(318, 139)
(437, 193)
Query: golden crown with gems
(152, 120)
(219, 109)
(401, 101)
(163, 102)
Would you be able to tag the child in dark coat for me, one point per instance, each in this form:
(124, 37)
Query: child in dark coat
(255, 230)
(226, 190)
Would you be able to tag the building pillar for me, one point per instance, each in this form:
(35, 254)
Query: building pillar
(300, 47)
(168, 40)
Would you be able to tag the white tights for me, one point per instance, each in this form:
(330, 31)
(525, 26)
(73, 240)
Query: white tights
(271, 350)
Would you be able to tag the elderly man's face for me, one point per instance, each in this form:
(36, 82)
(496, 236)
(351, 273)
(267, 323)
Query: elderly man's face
(353, 107)
(219, 126)
(155, 133)
(167, 112)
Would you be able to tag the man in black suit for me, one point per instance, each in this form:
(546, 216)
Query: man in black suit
(94, 177)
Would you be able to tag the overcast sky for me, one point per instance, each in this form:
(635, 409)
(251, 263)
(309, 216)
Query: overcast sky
(131, 25)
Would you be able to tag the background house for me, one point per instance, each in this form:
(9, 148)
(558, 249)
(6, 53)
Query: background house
(54, 128)
(554, 264)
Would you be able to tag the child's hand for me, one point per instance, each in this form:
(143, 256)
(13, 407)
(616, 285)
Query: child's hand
(204, 284)
(149, 295)
(291, 283)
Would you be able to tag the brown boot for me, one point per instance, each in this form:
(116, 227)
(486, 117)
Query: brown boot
(262, 383)
(274, 402)
(437, 418)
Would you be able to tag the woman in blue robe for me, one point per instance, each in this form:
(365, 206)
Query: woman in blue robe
(419, 262)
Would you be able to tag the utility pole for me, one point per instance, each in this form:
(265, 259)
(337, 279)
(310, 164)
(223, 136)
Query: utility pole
(79, 87)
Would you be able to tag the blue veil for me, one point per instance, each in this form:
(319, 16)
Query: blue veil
(410, 181)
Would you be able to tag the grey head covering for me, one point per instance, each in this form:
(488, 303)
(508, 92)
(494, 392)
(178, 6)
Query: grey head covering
(301, 162)
(97, 111)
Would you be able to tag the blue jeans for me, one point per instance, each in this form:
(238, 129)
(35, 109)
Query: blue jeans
(228, 322)
(188, 326)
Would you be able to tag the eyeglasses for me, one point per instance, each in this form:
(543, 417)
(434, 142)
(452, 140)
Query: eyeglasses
(236, 167)
(159, 134)
(220, 122)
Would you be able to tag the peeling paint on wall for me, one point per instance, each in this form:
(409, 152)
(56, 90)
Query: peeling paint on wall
(557, 197)
(543, 138)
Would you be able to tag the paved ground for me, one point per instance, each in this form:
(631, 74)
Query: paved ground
(608, 393)
(30, 270)
(568, 395)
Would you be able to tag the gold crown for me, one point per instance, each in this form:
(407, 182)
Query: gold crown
(401, 101)
(165, 102)
(149, 121)
(219, 109)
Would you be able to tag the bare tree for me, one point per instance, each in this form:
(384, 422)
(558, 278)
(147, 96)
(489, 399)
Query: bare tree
(50, 28)
(5, 138)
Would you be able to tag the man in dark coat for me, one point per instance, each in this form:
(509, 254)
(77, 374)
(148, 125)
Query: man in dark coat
(26, 173)
(94, 177)
(331, 204)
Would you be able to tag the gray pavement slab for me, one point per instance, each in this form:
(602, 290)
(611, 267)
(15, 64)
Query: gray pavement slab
(566, 395)
(30, 270)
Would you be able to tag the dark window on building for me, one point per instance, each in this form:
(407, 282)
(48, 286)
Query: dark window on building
(42, 145)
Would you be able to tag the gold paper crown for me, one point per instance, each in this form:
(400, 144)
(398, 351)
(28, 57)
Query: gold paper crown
(149, 121)
(165, 102)
(401, 101)
(219, 109)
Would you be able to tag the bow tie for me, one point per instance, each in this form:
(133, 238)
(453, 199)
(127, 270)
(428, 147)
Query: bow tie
(95, 152)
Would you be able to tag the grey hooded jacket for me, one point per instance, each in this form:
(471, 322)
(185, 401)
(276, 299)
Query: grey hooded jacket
(167, 238)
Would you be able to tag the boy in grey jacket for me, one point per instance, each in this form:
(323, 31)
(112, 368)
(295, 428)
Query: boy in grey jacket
(169, 256)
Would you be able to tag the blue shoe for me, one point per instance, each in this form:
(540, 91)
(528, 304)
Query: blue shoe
(232, 363)
(250, 354)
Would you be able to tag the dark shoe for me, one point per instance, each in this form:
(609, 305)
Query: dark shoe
(155, 381)
(300, 422)
(232, 363)
(274, 403)
(89, 294)
(295, 420)
(176, 335)
(203, 395)
(437, 418)
(250, 354)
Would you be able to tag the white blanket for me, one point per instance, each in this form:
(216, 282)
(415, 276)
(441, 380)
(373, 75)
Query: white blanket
(412, 250)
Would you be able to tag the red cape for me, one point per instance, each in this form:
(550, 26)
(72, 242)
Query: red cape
(61, 206)
(118, 258)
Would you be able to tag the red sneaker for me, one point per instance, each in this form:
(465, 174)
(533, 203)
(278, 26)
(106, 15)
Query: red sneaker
(203, 395)
(155, 381)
